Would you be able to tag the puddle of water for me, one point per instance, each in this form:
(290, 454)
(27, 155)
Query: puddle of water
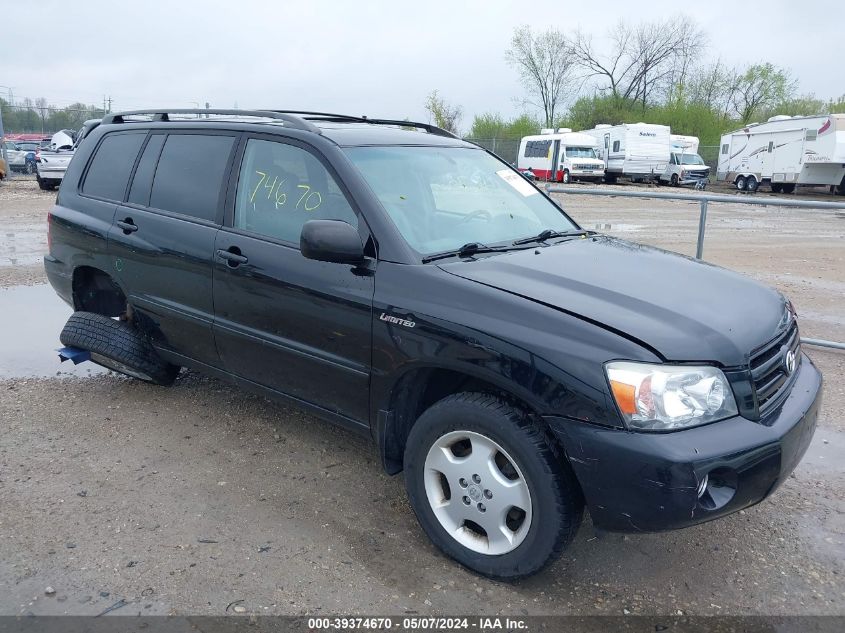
(31, 318)
(23, 245)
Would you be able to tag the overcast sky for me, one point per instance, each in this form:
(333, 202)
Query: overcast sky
(375, 58)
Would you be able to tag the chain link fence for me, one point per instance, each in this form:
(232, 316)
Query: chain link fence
(505, 148)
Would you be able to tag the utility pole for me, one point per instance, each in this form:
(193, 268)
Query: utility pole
(109, 112)
(207, 106)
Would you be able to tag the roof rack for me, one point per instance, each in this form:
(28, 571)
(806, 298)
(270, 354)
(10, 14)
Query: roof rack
(297, 119)
(288, 118)
(342, 118)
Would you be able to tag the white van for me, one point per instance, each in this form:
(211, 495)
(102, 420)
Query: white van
(639, 151)
(561, 157)
(685, 166)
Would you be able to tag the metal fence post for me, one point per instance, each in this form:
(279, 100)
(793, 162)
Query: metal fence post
(702, 221)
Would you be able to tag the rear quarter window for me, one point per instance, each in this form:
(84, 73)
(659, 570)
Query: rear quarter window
(109, 171)
(189, 175)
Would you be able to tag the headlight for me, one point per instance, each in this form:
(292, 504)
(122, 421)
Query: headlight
(667, 397)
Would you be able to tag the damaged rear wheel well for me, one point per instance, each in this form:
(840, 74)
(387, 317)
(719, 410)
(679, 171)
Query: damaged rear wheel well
(95, 291)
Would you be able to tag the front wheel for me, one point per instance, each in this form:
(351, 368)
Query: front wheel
(675, 181)
(566, 177)
(488, 486)
(741, 183)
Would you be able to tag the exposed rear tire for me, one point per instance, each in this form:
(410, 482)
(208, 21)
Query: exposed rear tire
(741, 183)
(118, 346)
(506, 505)
(777, 187)
(42, 184)
(790, 188)
(751, 184)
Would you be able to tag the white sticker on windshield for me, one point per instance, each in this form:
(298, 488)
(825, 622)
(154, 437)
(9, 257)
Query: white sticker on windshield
(517, 182)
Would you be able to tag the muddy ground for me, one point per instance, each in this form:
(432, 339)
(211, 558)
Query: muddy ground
(189, 499)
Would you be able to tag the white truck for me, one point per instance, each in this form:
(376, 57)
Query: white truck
(639, 151)
(560, 156)
(54, 162)
(685, 166)
(785, 152)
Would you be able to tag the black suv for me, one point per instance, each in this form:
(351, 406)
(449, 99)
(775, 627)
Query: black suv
(411, 286)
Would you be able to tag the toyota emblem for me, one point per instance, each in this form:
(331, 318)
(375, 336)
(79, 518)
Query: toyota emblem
(790, 361)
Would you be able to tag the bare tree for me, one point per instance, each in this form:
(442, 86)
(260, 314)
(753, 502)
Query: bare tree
(445, 115)
(712, 86)
(642, 59)
(545, 68)
(43, 109)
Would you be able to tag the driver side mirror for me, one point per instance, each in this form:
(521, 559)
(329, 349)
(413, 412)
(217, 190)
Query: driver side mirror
(333, 241)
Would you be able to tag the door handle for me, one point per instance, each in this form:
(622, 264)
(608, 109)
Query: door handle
(127, 225)
(232, 256)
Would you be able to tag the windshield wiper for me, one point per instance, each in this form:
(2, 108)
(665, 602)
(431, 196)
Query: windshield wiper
(467, 250)
(548, 234)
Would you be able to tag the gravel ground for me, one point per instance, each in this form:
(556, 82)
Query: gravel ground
(189, 499)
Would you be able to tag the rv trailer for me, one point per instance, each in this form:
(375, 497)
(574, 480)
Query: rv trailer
(560, 156)
(639, 151)
(785, 152)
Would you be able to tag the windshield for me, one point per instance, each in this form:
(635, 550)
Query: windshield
(689, 159)
(580, 152)
(441, 198)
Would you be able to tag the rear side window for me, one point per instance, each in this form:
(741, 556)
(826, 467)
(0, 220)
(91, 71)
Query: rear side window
(139, 193)
(189, 174)
(109, 172)
(616, 146)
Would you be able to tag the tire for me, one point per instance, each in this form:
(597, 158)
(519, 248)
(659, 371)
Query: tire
(790, 188)
(42, 184)
(118, 346)
(566, 177)
(741, 183)
(751, 184)
(777, 187)
(610, 180)
(675, 181)
(522, 454)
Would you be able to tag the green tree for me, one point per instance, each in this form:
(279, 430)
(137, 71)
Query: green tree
(445, 115)
(759, 88)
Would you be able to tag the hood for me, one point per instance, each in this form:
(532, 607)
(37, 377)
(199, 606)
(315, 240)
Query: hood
(680, 308)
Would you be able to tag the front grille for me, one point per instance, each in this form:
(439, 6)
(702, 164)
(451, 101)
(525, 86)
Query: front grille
(769, 373)
(585, 166)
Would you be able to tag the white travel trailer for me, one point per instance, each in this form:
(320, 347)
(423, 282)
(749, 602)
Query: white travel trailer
(784, 152)
(562, 157)
(639, 151)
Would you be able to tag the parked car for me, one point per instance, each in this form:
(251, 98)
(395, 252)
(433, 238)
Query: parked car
(33, 154)
(20, 159)
(54, 162)
(418, 290)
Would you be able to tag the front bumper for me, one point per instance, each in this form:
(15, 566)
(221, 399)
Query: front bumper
(650, 482)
